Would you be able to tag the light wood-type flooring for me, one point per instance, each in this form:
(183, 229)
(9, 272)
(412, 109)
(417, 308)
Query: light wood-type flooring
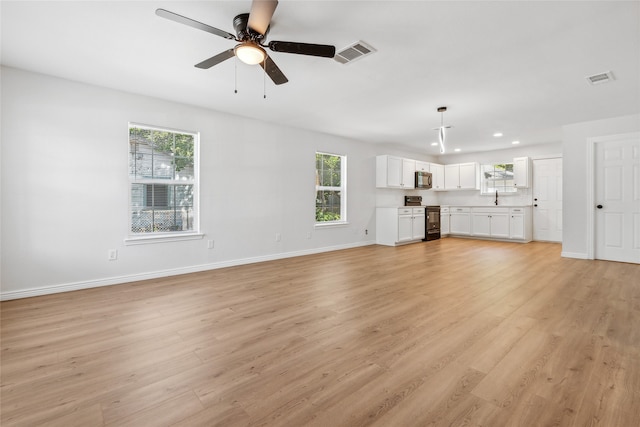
(450, 332)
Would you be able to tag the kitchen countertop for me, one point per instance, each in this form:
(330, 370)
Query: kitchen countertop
(456, 206)
(485, 206)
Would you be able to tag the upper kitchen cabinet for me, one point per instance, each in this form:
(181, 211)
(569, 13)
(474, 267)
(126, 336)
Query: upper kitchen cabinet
(462, 176)
(395, 172)
(437, 176)
(422, 166)
(521, 172)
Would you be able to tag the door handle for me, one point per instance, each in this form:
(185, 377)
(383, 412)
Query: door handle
(599, 206)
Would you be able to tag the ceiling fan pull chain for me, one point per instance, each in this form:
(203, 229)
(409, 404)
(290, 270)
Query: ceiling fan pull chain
(264, 83)
(235, 75)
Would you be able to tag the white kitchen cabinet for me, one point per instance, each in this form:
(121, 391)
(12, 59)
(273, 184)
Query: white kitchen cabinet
(462, 176)
(395, 172)
(444, 221)
(521, 172)
(423, 166)
(437, 176)
(408, 173)
(418, 226)
(490, 222)
(520, 224)
(399, 225)
(460, 221)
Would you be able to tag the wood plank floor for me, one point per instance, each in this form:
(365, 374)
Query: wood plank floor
(446, 333)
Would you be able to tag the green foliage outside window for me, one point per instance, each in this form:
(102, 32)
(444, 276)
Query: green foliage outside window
(329, 187)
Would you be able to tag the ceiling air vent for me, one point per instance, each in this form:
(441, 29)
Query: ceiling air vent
(597, 79)
(353, 52)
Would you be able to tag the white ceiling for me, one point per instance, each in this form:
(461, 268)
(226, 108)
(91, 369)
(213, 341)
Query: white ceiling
(517, 67)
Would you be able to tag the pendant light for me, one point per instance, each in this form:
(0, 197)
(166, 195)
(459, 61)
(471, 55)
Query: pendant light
(441, 130)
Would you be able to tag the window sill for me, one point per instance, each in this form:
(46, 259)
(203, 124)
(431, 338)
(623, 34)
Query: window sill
(162, 238)
(330, 224)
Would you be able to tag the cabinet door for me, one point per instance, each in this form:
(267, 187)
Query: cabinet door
(481, 224)
(521, 172)
(437, 176)
(444, 222)
(419, 227)
(516, 227)
(451, 177)
(394, 171)
(422, 166)
(459, 223)
(500, 226)
(408, 173)
(468, 176)
(405, 228)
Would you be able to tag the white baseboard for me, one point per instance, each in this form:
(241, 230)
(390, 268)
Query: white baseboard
(67, 287)
(577, 255)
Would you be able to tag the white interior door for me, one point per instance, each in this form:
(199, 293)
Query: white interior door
(547, 199)
(617, 200)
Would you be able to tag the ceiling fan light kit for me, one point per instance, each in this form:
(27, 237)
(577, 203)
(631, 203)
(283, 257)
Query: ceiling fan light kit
(250, 53)
(251, 32)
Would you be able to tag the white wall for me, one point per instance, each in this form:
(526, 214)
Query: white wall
(65, 187)
(575, 177)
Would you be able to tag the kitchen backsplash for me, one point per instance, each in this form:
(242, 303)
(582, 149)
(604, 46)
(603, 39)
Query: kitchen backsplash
(395, 197)
(473, 198)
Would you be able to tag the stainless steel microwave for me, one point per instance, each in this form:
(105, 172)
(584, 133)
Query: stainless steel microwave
(423, 180)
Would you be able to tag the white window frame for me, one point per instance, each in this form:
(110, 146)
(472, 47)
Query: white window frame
(483, 181)
(167, 236)
(342, 189)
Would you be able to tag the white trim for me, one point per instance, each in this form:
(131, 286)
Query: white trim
(591, 180)
(195, 183)
(162, 238)
(329, 224)
(67, 287)
(577, 255)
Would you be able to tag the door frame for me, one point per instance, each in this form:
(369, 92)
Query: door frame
(591, 184)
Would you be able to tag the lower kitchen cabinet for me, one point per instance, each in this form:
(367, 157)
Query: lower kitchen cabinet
(487, 222)
(399, 225)
(460, 221)
(444, 221)
(520, 224)
(490, 222)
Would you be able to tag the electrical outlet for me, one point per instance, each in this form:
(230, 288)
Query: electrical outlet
(210, 244)
(112, 254)
(278, 237)
(366, 232)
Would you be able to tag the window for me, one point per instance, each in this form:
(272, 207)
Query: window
(163, 181)
(497, 177)
(331, 178)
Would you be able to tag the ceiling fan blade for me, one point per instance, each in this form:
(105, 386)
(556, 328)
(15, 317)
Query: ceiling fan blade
(323, 50)
(192, 23)
(215, 60)
(273, 71)
(260, 15)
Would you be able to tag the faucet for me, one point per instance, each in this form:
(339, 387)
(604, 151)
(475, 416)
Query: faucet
(496, 202)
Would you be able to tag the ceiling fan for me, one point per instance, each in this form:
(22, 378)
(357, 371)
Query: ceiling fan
(251, 33)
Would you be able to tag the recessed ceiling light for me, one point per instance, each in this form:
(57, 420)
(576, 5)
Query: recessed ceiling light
(434, 144)
(497, 134)
(456, 149)
(515, 142)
